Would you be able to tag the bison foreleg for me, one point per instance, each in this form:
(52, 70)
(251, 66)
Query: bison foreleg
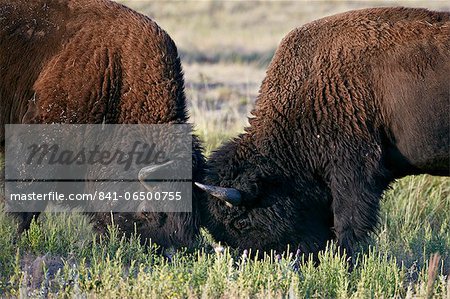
(25, 219)
(356, 197)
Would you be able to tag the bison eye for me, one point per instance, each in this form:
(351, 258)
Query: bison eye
(242, 223)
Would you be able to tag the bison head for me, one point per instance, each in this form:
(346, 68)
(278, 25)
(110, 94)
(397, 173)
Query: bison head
(255, 204)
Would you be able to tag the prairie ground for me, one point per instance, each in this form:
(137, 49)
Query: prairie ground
(225, 47)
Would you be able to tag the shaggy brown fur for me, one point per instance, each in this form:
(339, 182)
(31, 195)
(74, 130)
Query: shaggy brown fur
(93, 61)
(350, 102)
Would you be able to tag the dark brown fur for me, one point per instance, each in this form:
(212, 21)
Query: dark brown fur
(349, 103)
(93, 61)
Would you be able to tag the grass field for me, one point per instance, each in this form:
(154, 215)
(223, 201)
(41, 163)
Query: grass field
(225, 47)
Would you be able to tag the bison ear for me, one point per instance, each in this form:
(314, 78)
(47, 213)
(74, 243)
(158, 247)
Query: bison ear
(231, 196)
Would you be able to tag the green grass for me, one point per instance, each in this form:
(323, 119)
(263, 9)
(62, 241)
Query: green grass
(60, 255)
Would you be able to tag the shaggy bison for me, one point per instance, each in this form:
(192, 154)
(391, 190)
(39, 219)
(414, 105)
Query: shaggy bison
(94, 61)
(350, 102)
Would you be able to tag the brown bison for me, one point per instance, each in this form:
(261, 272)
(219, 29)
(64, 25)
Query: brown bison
(350, 102)
(94, 61)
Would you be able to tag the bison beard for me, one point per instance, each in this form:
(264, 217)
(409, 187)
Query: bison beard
(84, 61)
(349, 103)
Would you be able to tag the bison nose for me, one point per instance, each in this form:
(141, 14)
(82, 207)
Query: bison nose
(231, 196)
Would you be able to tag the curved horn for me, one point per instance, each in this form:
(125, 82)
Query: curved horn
(231, 196)
(146, 171)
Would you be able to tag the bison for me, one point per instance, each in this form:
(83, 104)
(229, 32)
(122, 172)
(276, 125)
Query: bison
(349, 103)
(94, 61)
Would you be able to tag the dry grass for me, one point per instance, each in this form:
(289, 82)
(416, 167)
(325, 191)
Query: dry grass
(247, 30)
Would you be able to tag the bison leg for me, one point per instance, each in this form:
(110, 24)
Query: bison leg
(356, 188)
(25, 219)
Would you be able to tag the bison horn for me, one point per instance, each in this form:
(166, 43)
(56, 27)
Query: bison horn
(146, 171)
(231, 196)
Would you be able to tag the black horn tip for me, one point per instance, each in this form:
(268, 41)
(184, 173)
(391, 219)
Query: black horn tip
(229, 195)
